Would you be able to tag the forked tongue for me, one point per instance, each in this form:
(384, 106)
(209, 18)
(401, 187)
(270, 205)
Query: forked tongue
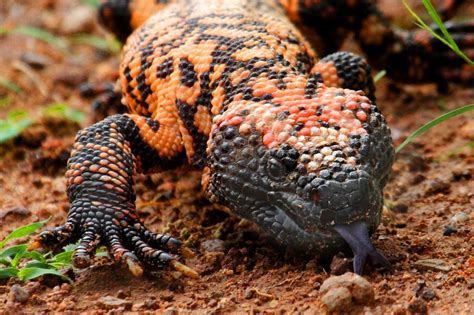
(357, 236)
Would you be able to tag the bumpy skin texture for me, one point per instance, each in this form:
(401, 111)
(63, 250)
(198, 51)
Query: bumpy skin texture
(294, 144)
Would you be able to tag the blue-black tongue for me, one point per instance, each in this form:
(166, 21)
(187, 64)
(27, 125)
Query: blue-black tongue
(357, 236)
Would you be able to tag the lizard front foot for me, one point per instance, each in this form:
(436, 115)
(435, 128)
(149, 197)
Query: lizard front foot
(127, 239)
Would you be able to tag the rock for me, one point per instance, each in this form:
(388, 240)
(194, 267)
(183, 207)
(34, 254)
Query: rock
(361, 290)
(400, 208)
(35, 60)
(19, 294)
(459, 217)
(213, 245)
(432, 264)
(340, 265)
(418, 306)
(337, 299)
(249, 293)
(171, 311)
(424, 291)
(110, 302)
(14, 210)
(461, 174)
(80, 19)
(449, 230)
(151, 304)
(437, 186)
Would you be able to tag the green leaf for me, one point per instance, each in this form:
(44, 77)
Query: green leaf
(17, 121)
(23, 231)
(434, 122)
(42, 35)
(38, 264)
(12, 251)
(5, 101)
(92, 3)
(29, 273)
(9, 85)
(8, 272)
(379, 75)
(63, 258)
(108, 44)
(64, 111)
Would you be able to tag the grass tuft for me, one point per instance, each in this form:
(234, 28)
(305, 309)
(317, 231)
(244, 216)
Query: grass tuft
(434, 122)
(18, 262)
(444, 37)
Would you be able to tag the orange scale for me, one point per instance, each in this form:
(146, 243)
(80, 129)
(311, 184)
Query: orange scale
(305, 132)
(352, 105)
(237, 120)
(361, 115)
(268, 139)
(310, 123)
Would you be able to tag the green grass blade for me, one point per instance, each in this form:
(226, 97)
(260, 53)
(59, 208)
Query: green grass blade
(42, 35)
(29, 273)
(379, 75)
(9, 85)
(448, 41)
(12, 251)
(109, 45)
(5, 101)
(23, 231)
(92, 3)
(437, 19)
(64, 111)
(8, 272)
(434, 122)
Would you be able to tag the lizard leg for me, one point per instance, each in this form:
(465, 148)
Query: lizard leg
(346, 70)
(100, 189)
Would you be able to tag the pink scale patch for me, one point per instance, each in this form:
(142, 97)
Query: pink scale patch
(237, 120)
(268, 138)
(361, 115)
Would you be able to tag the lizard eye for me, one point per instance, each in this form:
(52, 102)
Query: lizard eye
(275, 169)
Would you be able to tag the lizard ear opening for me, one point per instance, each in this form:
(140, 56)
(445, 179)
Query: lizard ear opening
(357, 236)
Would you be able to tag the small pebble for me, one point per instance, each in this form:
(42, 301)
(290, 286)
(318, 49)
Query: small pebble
(249, 293)
(340, 265)
(337, 299)
(79, 20)
(436, 186)
(449, 230)
(151, 304)
(361, 290)
(171, 311)
(35, 60)
(400, 208)
(432, 264)
(424, 291)
(19, 293)
(110, 302)
(418, 306)
(213, 245)
(459, 217)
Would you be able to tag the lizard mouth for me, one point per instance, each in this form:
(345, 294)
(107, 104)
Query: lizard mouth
(298, 215)
(357, 236)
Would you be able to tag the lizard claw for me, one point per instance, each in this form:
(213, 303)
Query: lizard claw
(127, 239)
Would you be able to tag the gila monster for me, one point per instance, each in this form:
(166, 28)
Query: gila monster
(286, 140)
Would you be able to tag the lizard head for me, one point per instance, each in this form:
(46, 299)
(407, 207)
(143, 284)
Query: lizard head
(309, 171)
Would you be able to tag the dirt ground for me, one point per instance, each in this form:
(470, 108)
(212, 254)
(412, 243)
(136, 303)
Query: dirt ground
(430, 194)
